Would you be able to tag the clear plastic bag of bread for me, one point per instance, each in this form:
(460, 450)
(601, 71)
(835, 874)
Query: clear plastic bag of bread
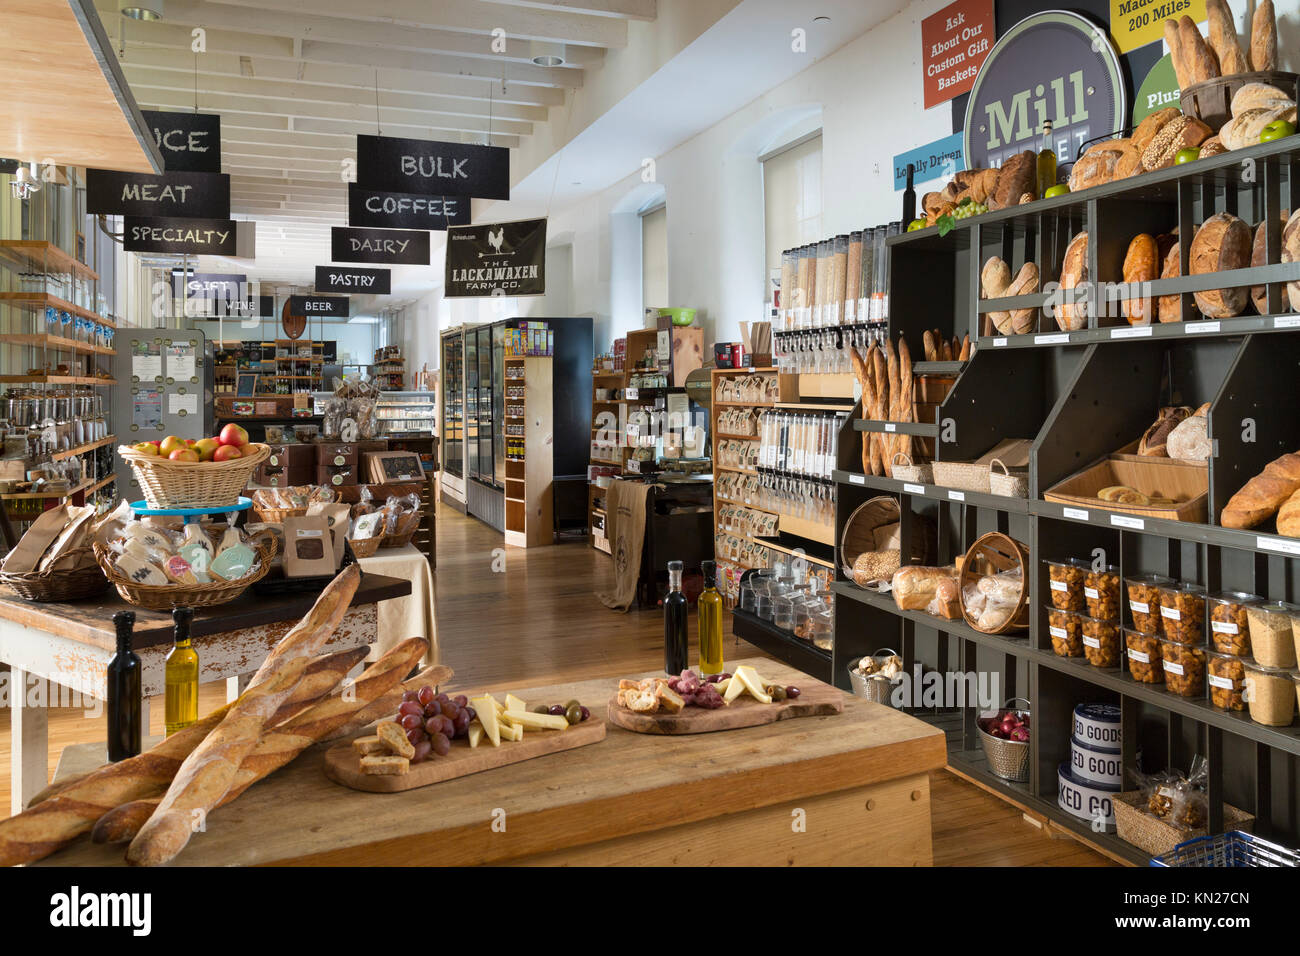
(1159, 792)
(335, 411)
(403, 514)
(365, 502)
(1191, 808)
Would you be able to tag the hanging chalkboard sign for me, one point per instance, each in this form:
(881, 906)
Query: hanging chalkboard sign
(433, 168)
(195, 237)
(189, 142)
(345, 279)
(374, 207)
(328, 306)
(197, 195)
(385, 246)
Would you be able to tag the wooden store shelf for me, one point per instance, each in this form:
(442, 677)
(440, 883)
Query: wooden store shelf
(38, 301)
(85, 486)
(102, 483)
(55, 380)
(43, 256)
(82, 449)
(55, 342)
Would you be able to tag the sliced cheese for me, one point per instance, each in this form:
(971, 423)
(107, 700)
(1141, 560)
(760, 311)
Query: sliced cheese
(475, 733)
(487, 716)
(514, 703)
(735, 687)
(511, 731)
(537, 721)
(753, 683)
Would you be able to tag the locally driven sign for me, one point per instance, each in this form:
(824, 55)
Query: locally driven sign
(954, 43)
(343, 279)
(1053, 67)
(189, 142)
(195, 237)
(198, 195)
(1135, 23)
(374, 207)
(332, 306)
(392, 246)
(937, 160)
(432, 168)
(504, 258)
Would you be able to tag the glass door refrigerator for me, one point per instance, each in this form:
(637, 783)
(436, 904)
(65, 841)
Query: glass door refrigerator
(453, 418)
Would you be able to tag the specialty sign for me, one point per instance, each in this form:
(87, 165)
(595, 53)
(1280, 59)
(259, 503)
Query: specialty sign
(195, 237)
(502, 258)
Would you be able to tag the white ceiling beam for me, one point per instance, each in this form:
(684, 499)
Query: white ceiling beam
(623, 9)
(440, 133)
(469, 16)
(277, 172)
(313, 190)
(442, 64)
(233, 132)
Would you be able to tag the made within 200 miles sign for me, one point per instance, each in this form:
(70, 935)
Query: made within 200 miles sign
(501, 258)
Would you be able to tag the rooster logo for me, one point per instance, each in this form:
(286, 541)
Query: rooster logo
(495, 239)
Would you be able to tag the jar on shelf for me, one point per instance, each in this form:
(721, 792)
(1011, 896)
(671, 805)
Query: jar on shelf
(1271, 629)
(1271, 694)
(1145, 664)
(1229, 623)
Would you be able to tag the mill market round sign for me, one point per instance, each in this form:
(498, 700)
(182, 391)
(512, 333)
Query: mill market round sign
(1056, 67)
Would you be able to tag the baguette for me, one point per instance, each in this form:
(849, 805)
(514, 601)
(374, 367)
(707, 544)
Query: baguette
(880, 376)
(902, 444)
(383, 706)
(1259, 498)
(1288, 517)
(1198, 59)
(74, 805)
(1263, 37)
(1175, 44)
(965, 349)
(928, 347)
(862, 372)
(206, 774)
(1223, 38)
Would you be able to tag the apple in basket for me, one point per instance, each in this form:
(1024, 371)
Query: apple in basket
(184, 454)
(226, 453)
(207, 447)
(234, 436)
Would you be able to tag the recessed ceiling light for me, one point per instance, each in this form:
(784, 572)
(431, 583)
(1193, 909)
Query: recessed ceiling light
(141, 9)
(546, 53)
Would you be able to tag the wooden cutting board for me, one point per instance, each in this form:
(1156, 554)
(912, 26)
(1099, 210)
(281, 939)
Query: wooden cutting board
(343, 764)
(815, 700)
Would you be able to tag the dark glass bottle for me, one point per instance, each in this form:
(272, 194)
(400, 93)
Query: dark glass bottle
(676, 643)
(125, 729)
(909, 197)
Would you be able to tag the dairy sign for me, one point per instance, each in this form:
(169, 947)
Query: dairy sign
(503, 258)
(1055, 67)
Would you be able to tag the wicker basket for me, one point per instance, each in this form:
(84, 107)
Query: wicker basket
(1210, 101)
(1013, 484)
(163, 598)
(962, 475)
(859, 531)
(75, 576)
(922, 474)
(1157, 837)
(187, 484)
(277, 515)
(401, 536)
(366, 547)
(1008, 759)
(994, 553)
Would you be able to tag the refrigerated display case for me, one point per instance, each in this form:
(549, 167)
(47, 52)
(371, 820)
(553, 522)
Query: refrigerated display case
(453, 427)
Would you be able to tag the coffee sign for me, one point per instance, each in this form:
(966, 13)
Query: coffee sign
(189, 142)
(326, 306)
(433, 168)
(343, 279)
(1055, 67)
(385, 246)
(504, 258)
(195, 237)
(196, 195)
(375, 207)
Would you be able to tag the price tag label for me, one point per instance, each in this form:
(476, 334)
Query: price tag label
(1055, 338)
(1138, 332)
(1200, 328)
(1057, 632)
(1223, 683)
(1092, 642)
(1223, 627)
(1286, 322)
(1078, 514)
(999, 342)
(1124, 521)
(1140, 607)
(1279, 545)
(1091, 593)
(1172, 668)
(1058, 586)
(1171, 612)
(957, 495)
(891, 427)
(914, 489)
(1140, 657)
(858, 479)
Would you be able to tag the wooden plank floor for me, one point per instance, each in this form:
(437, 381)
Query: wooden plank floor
(510, 617)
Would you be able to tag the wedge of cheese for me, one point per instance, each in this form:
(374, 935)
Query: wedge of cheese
(514, 703)
(510, 731)
(537, 721)
(753, 683)
(475, 732)
(487, 716)
(735, 687)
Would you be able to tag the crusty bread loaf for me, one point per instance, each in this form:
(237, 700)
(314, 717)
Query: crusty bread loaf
(915, 586)
(1198, 60)
(1096, 167)
(1259, 499)
(1025, 283)
(1259, 257)
(1221, 244)
(1288, 517)
(1154, 441)
(1244, 128)
(1074, 270)
(1259, 96)
(1175, 43)
(1291, 251)
(1141, 264)
(1018, 175)
(1212, 147)
(1263, 37)
(1190, 440)
(1169, 308)
(1181, 132)
(1223, 38)
(1153, 123)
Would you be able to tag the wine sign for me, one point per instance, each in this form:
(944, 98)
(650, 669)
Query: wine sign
(189, 142)
(343, 279)
(375, 207)
(504, 258)
(433, 168)
(390, 246)
(196, 195)
(195, 237)
(329, 306)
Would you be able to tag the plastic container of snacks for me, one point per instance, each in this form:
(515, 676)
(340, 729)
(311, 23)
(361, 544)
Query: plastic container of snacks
(1101, 590)
(1184, 668)
(1229, 626)
(1271, 640)
(1144, 601)
(1227, 680)
(1271, 694)
(1182, 613)
(1066, 630)
(783, 612)
(1144, 661)
(1101, 642)
(1065, 583)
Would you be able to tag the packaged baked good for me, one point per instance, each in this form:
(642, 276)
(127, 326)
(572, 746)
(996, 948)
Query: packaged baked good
(1271, 694)
(1271, 640)
(1229, 626)
(1066, 631)
(1182, 613)
(1100, 642)
(1101, 593)
(1144, 601)
(1184, 668)
(1144, 661)
(1065, 583)
(1227, 679)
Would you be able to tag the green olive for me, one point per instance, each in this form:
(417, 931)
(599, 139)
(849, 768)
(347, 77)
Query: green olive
(778, 692)
(572, 702)
(541, 709)
(574, 713)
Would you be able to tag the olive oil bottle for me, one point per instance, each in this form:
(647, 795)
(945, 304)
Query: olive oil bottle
(710, 610)
(125, 728)
(676, 643)
(181, 675)
(1046, 162)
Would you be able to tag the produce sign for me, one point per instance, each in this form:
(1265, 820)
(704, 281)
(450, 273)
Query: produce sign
(322, 305)
(433, 168)
(189, 142)
(342, 279)
(199, 195)
(391, 246)
(954, 43)
(1135, 23)
(374, 207)
(504, 258)
(195, 237)
(1054, 66)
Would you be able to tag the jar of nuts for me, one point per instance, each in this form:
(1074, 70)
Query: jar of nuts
(1101, 592)
(1144, 663)
(1144, 601)
(1065, 583)
(1182, 613)
(1101, 642)
(1066, 630)
(1270, 633)
(1227, 677)
(1229, 626)
(1271, 693)
(1184, 668)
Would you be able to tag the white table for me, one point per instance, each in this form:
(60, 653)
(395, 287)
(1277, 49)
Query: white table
(410, 616)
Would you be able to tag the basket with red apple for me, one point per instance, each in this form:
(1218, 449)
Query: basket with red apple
(1005, 736)
(184, 473)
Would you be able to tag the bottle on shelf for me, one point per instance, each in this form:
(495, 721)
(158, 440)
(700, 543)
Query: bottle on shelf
(1046, 162)
(125, 729)
(181, 675)
(909, 196)
(676, 643)
(710, 613)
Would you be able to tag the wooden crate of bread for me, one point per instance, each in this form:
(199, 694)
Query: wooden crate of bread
(1150, 487)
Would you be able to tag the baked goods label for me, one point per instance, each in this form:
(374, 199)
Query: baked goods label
(858, 479)
(1171, 612)
(1053, 338)
(1078, 514)
(1057, 632)
(1286, 322)
(1140, 656)
(1266, 543)
(1124, 521)
(1058, 586)
(999, 342)
(1091, 593)
(1140, 607)
(1172, 668)
(1223, 627)
(914, 489)
(1201, 328)
(1092, 642)
(956, 495)
(1132, 332)
(1223, 683)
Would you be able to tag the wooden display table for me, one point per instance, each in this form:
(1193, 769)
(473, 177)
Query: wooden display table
(847, 789)
(68, 647)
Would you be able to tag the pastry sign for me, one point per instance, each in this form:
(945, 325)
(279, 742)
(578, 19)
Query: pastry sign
(1055, 67)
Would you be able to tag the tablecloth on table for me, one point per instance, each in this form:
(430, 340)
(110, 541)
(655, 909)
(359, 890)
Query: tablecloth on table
(410, 616)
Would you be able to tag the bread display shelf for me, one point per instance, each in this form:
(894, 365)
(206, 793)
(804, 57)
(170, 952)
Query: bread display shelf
(901, 428)
(1196, 329)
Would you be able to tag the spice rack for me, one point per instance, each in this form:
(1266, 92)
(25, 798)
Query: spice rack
(529, 517)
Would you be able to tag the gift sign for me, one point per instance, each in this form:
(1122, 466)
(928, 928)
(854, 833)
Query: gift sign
(954, 43)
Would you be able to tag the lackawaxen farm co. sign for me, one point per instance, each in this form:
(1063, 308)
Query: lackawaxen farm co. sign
(501, 258)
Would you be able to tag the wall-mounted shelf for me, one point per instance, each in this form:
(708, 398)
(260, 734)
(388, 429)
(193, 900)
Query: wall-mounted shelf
(54, 343)
(82, 449)
(56, 380)
(39, 301)
(43, 256)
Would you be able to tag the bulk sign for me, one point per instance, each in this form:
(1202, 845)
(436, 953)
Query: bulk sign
(503, 258)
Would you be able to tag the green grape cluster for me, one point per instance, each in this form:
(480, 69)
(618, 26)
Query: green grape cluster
(966, 210)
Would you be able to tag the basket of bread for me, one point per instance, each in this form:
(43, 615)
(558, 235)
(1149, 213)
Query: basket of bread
(395, 521)
(207, 473)
(994, 598)
(870, 545)
(53, 561)
(273, 505)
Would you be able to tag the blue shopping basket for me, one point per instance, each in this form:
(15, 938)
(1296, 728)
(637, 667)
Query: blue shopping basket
(1228, 849)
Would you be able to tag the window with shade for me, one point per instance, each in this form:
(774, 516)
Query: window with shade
(654, 257)
(792, 197)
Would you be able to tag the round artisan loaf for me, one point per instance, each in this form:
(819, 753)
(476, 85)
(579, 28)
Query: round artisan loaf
(1190, 440)
(1212, 147)
(1141, 264)
(1291, 251)
(1244, 128)
(1018, 175)
(1259, 96)
(1074, 270)
(1221, 244)
(1259, 257)
(1096, 167)
(875, 566)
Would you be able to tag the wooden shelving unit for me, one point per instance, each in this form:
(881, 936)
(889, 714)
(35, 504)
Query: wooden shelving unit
(614, 382)
(530, 521)
(304, 371)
